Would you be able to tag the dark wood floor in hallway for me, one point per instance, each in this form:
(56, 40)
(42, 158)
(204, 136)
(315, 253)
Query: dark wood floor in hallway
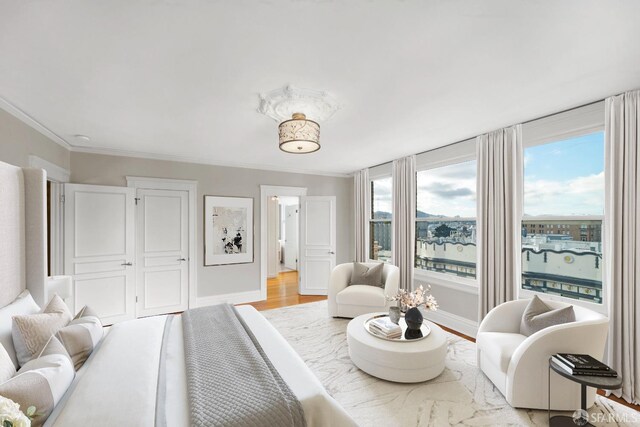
(282, 291)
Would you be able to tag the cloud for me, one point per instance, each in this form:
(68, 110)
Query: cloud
(448, 191)
(578, 196)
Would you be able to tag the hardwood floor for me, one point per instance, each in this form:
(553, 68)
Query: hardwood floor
(282, 291)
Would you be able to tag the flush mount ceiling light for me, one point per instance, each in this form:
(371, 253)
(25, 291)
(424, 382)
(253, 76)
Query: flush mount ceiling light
(297, 134)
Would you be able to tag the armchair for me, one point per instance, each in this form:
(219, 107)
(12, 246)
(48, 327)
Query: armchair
(518, 365)
(352, 301)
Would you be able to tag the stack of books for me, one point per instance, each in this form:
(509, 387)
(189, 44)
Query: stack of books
(583, 364)
(384, 327)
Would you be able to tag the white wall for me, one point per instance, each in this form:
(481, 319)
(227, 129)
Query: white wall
(223, 181)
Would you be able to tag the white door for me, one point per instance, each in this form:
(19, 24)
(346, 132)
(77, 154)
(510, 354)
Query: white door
(162, 254)
(291, 237)
(317, 243)
(98, 249)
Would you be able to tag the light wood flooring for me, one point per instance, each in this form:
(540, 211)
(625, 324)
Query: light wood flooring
(282, 291)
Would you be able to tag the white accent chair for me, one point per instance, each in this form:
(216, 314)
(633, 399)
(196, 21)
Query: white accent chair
(352, 301)
(518, 365)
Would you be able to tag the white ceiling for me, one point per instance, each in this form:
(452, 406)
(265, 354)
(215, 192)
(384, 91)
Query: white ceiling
(182, 78)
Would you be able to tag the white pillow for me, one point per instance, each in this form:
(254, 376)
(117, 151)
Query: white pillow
(7, 370)
(24, 304)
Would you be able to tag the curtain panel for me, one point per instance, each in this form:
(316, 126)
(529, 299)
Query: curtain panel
(622, 228)
(404, 217)
(362, 195)
(499, 207)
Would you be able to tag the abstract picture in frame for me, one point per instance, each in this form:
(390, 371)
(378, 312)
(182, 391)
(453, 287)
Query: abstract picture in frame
(228, 230)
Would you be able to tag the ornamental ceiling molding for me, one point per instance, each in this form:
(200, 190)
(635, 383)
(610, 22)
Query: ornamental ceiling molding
(281, 104)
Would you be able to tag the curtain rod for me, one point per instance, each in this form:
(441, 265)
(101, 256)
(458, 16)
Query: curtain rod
(523, 123)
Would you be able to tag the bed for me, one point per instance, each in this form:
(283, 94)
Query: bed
(143, 371)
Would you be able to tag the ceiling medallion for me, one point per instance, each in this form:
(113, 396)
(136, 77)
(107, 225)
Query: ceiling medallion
(281, 104)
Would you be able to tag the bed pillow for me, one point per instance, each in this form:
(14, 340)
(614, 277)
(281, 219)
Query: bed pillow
(364, 275)
(539, 315)
(31, 332)
(41, 382)
(24, 304)
(7, 368)
(81, 336)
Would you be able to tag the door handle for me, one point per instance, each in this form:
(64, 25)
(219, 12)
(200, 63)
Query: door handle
(332, 253)
(127, 263)
(181, 259)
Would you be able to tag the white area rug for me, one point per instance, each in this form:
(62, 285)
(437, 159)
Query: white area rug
(461, 395)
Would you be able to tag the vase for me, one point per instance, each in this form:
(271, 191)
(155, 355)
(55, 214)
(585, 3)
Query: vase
(414, 318)
(394, 314)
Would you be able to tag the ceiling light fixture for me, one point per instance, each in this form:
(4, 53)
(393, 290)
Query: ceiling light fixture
(299, 135)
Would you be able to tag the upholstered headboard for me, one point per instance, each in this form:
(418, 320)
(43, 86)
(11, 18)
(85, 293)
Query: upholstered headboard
(23, 228)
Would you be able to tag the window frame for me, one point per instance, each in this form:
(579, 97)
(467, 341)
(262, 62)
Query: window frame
(461, 152)
(379, 172)
(571, 124)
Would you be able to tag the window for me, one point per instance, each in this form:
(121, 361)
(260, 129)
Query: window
(446, 220)
(380, 222)
(564, 189)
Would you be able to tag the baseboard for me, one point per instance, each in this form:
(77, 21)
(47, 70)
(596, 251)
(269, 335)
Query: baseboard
(234, 298)
(455, 322)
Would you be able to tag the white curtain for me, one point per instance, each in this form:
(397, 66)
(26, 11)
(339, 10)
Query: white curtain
(362, 200)
(622, 216)
(404, 217)
(499, 155)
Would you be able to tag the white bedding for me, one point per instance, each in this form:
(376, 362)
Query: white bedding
(118, 384)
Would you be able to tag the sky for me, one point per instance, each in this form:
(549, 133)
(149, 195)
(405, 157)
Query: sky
(560, 178)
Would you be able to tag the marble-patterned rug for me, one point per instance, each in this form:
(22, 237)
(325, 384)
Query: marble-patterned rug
(460, 396)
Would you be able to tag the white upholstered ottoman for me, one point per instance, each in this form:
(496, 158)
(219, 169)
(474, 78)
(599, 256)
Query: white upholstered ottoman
(403, 362)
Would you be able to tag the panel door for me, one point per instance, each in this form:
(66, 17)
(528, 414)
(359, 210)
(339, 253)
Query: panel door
(291, 226)
(317, 243)
(98, 249)
(162, 253)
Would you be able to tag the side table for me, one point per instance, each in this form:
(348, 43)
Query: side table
(605, 383)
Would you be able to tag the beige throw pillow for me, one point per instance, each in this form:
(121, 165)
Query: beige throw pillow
(41, 382)
(364, 275)
(31, 332)
(81, 336)
(539, 315)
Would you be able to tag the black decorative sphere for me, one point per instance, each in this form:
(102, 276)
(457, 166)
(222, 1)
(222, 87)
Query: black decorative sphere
(414, 318)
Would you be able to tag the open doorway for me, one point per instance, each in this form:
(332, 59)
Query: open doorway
(283, 247)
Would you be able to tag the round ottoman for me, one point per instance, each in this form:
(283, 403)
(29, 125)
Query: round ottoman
(403, 362)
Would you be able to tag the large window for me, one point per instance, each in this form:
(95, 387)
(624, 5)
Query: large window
(562, 218)
(446, 220)
(380, 222)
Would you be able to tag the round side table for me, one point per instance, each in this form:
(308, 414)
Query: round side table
(605, 383)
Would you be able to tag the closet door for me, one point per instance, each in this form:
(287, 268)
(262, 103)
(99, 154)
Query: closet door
(162, 251)
(99, 249)
(317, 243)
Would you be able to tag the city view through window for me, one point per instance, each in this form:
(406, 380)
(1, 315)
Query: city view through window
(561, 225)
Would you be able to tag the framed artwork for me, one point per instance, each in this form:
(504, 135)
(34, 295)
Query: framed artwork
(228, 230)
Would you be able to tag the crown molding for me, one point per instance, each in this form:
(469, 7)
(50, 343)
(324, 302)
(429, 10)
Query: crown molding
(203, 161)
(32, 123)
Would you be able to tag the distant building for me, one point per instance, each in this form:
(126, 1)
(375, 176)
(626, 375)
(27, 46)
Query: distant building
(582, 231)
(552, 264)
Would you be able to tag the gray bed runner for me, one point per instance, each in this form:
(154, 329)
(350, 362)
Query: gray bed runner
(230, 380)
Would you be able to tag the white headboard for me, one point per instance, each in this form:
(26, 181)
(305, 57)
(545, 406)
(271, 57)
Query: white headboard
(23, 229)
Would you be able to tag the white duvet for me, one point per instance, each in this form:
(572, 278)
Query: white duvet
(118, 384)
